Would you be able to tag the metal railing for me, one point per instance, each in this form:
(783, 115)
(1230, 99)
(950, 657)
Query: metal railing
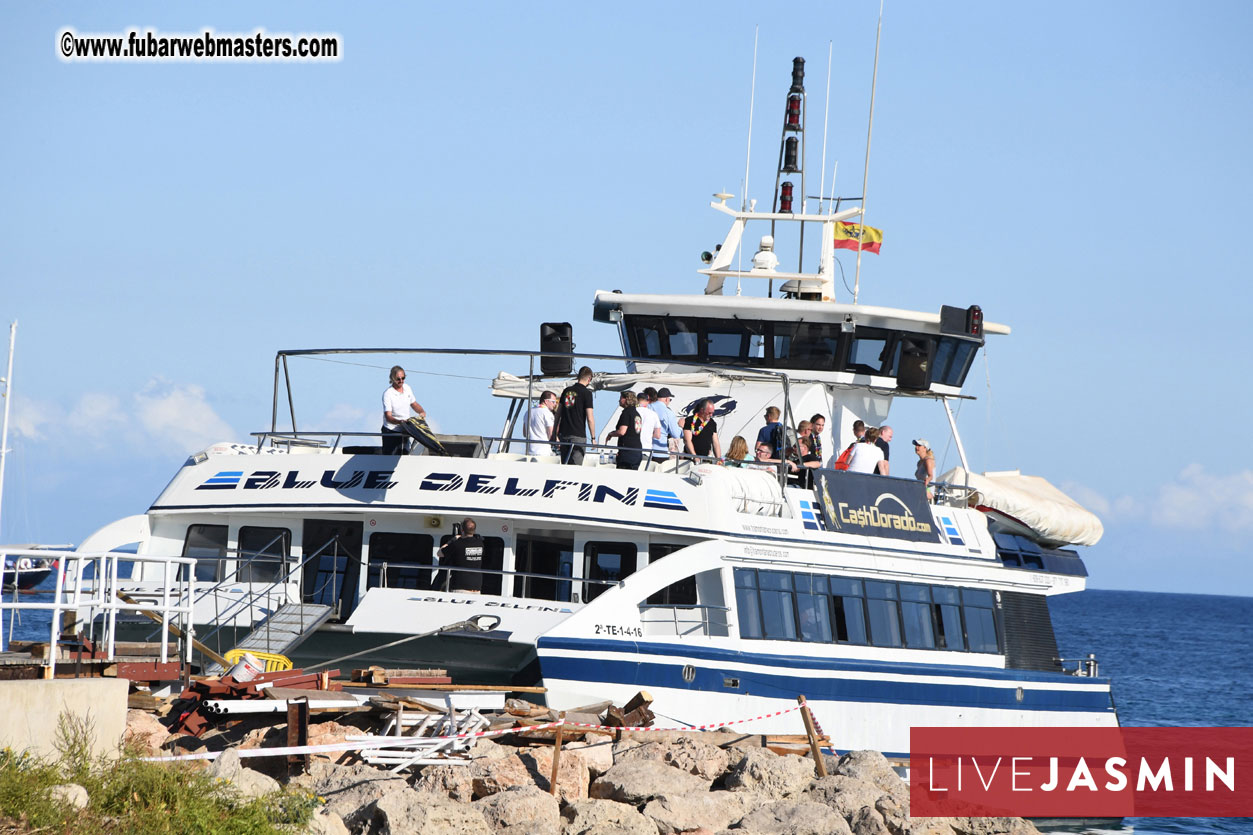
(711, 618)
(102, 596)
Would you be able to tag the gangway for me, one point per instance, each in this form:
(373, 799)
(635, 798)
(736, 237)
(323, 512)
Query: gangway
(285, 629)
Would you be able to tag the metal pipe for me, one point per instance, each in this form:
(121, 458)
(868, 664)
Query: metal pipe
(961, 450)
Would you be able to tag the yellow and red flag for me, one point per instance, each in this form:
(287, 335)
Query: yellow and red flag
(846, 237)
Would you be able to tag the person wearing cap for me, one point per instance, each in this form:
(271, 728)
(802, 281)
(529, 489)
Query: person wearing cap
(670, 429)
(925, 471)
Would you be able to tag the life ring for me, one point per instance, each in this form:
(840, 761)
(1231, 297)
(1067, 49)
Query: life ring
(24, 564)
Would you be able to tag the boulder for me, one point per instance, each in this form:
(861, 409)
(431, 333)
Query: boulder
(895, 813)
(405, 812)
(930, 826)
(867, 821)
(690, 812)
(685, 753)
(641, 781)
(992, 826)
(325, 822)
(870, 767)
(598, 754)
(763, 771)
(845, 795)
(69, 794)
(489, 776)
(250, 783)
(145, 733)
(349, 790)
(573, 775)
(331, 732)
(793, 817)
(453, 781)
(486, 749)
(604, 817)
(522, 810)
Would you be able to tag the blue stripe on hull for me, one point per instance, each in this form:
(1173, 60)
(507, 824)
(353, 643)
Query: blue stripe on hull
(809, 662)
(821, 685)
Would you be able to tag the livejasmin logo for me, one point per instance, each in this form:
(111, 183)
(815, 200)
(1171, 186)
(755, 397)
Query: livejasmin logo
(1081, 772)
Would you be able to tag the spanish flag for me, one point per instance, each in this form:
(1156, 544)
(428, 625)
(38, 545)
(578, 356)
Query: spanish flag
(846, 237)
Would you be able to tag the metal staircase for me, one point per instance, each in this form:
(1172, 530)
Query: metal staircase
(284, 630)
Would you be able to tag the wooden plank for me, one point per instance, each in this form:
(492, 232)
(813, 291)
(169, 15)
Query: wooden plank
(176, 632)
(466, 688)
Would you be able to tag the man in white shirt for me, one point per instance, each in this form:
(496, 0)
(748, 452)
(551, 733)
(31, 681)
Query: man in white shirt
(539, 425)
(398, 400)
(867, 457)
(650, 423)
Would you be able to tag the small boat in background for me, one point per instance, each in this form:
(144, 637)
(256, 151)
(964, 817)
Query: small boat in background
(24, 573)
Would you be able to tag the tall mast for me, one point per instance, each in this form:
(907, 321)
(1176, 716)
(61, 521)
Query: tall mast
(4, 432)
(792, 155)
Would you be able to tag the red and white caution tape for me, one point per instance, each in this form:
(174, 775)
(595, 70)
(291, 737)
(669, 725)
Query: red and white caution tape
(414, 741)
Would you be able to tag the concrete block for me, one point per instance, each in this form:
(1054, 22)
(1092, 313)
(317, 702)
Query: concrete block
(32, 711)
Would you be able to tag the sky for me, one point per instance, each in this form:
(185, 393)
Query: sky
(467, 171)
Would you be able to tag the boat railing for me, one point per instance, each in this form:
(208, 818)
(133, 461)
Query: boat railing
(706, 620)
(1083, 667)
(105, 596)
(951, 495)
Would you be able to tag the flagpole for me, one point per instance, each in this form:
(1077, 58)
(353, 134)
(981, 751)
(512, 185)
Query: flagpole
(4, 433)
(865, 176)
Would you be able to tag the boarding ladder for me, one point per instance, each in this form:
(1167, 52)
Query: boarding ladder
(285, 629)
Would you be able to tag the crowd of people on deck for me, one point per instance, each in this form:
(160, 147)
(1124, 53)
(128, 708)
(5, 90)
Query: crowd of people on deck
(562, 424)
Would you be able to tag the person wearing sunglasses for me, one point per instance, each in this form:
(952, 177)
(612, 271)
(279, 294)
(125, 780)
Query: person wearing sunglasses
(398, 401)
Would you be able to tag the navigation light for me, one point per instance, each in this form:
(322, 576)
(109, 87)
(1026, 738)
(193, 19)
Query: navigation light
(789, 155)
(793, 112)
(785, 196)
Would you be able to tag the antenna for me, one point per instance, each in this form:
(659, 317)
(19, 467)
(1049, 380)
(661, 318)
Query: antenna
(8, 389)
(865, 176)
(751, 96)
(826, 123)
(792, 155)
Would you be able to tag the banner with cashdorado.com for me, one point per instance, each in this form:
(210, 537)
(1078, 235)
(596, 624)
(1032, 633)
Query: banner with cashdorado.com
(1081, 772)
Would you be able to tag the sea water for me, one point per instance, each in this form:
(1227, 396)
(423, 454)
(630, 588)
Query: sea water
(1175, 660)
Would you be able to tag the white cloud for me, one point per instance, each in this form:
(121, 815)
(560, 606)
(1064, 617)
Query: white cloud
(29, 418)
(178, 417)
(1198, 500)
(345, 418)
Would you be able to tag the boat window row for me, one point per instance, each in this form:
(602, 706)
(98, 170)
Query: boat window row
(816, 608)
(544, 565)
(816, 346)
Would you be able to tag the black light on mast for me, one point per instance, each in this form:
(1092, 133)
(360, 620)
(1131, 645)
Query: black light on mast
(791, 154)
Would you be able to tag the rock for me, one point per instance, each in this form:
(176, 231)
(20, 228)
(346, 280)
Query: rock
(489, 776)
(486, 749)
(325, 822)
(992, 826)
(764, 771)
(250, 783)
(930, 826)
(349, 790)
(639, 782)
(573, 775)
(604, 817)
(690, 812)
(793, 817)
(522, 810)
(845, 795)
(145, 733)
(69, 794)
(867, 821)
(406, 812)
(870, 767)
(685, 753)
(598, 755)
(895, 813)
(330, 732)
(453, 781)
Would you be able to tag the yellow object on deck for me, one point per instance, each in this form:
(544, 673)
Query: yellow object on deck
(273, 661)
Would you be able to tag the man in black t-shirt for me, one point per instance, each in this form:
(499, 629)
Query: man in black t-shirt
(574, 420)
(885, 435)
(465, 551)
(700, 431)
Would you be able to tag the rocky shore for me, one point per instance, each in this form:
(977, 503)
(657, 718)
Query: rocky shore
(642, 784)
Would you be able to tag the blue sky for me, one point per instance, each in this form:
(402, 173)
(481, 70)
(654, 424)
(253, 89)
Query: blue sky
(1080, 170)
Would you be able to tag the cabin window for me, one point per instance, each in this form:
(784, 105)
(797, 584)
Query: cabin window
(610, 561)
(952, 360)
(978, 605)
(748, 603)
(548, 562)
(263, 554)
(811, 607)
(916, 615)
(848, 610)
(207, 543)
(885, 624)
(679, 593)
(948, 618)
(400, 561)
(777, 608)
(867, 353)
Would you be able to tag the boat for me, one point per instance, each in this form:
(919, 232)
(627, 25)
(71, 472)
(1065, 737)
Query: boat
(24, 573)
(724, 591)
